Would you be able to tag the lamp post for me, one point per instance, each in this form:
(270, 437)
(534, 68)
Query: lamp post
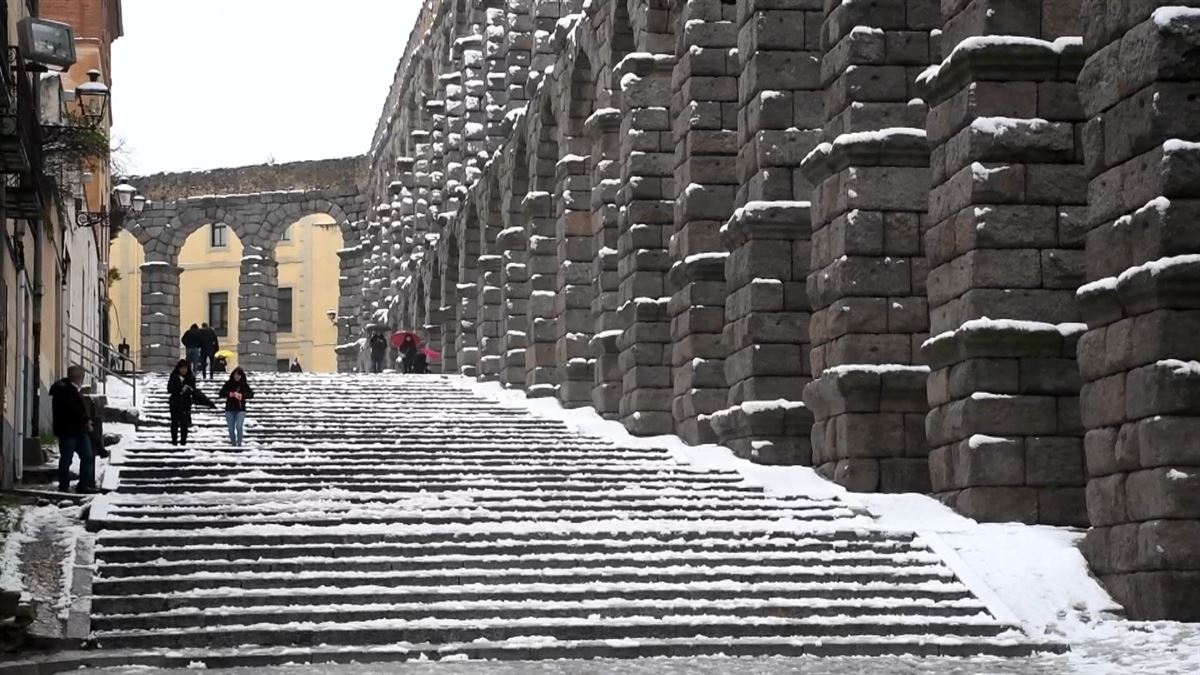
(93, 99)
(127, 200)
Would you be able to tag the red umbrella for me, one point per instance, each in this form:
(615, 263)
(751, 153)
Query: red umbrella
(398, 337)
(431, 354)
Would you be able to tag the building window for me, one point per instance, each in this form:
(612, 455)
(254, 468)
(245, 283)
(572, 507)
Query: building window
(285, 310)
(283, 365)
(219, 238)
(218, 313)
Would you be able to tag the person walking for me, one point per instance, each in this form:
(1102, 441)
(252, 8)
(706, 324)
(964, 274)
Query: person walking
(73, 427)
(295, 367)
(409, 351)
(193, 345)
(208, 356)
(378, 352)
(236, 392)
(181, 388)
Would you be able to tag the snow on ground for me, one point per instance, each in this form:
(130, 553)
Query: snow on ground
(1028, 574)
(39, 559)
(1032, 574)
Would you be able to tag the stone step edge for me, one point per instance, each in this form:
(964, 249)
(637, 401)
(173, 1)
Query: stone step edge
(916, 558)
(550, 533)
(246, 658)
(731, 603)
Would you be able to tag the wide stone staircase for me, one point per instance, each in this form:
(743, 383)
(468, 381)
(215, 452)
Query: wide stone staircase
(388, 518)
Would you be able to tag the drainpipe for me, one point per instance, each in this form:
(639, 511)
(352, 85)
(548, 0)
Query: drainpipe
(39, 289)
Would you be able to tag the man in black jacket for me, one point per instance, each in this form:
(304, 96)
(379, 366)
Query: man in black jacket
(72, 426)
(193, 346)
(208, 356)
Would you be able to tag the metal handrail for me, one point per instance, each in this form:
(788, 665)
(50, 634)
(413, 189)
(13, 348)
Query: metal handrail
(102, 355)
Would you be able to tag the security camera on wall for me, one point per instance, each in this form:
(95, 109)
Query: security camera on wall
(46, 43)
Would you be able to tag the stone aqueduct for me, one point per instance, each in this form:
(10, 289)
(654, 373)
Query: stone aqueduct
(947, 247)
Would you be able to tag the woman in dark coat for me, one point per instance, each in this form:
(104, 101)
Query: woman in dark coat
(408, 353)
(236, 392)
(181, 388)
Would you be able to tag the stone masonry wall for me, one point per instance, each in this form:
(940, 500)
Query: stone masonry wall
(935, 246)
(1140, 358)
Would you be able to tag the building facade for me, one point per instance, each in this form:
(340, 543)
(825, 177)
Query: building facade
(52, 263)
(209, 282)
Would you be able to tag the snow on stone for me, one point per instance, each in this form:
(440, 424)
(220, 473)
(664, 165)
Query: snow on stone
(984, 324)
(1179, 367)
(1164, 17)
(877, 136)
(876, 368)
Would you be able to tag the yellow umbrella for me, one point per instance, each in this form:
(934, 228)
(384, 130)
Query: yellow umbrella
(225, 353)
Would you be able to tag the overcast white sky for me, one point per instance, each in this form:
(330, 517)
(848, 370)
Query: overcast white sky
(214, 83)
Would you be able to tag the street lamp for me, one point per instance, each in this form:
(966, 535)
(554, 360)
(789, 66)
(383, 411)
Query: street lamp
(93, 99)
(127, 200)
(124, 193)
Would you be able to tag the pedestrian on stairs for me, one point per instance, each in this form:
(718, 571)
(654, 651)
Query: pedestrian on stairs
(181, 389)
(236, 392)
(193, 345)
(379, 347)
(73, 427)
(208, 352)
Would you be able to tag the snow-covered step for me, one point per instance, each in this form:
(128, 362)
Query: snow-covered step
(624, 628)
(524, 649)
(743, 573)
(465, 515)
(499, 591)
(533, 502)
(548, 561)
(114, 552)
(386, 515)
(409, 469)
(477, 610)
(580, 483)
(535, 535)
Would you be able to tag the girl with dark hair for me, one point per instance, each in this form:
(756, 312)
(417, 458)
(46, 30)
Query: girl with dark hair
(236, 392)
(181, 388)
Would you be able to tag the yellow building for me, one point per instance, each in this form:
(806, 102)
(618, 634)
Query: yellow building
(210, 261)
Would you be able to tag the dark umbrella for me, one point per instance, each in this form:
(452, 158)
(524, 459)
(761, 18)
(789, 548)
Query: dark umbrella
(199, 398)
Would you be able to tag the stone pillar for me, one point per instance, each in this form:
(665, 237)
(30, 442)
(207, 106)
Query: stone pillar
(467, 344)
(645, 229)
(705, 91)
(514, 306)
(541, 369)
(867, 284)
(160, 332)
(604, 128)
(488, 333)
(575, 292)
(1005, 250)
(258, 310)
(495, 97)
(765, 317)
(766, 308)
(350, 284)
(517, 54)
(1140, 358)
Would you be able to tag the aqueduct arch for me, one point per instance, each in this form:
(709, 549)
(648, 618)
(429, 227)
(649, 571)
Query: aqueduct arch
(257, 204)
